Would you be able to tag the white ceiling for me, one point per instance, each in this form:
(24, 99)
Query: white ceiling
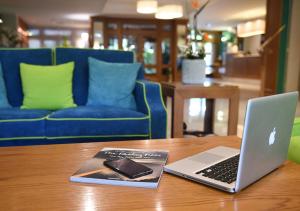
(219, 14)
(58, 13)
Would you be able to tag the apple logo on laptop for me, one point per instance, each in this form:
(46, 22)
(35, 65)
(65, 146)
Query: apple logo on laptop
(272, 136)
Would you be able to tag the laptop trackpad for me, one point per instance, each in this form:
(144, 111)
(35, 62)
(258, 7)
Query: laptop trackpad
(206, 158)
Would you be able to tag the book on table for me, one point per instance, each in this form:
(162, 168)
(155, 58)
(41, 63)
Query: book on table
(94, 171)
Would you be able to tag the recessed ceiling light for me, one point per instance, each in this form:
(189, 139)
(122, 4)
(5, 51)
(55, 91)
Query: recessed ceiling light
(248, 14)
(230, 29)
(169, 11)
(146, 6)
(251, 28)
(79, 17)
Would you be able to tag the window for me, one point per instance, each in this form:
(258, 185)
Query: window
(165, 50)
(98, 35)
(113, 43)
(57, 32)
(34, 43)
(33, 32)
(50, 43)
(150, 51)
(139, 26)
(112, 26)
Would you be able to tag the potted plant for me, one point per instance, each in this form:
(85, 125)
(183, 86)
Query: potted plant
(193, 66)
(8, 38)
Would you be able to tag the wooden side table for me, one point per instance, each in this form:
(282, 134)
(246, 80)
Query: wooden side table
(179, 92)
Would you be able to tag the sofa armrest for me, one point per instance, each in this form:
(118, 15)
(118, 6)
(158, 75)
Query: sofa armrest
(149, 100)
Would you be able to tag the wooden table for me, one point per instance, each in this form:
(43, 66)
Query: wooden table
(179, 92)
(37, 178)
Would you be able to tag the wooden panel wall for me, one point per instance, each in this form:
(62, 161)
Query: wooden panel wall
(159, 34)
(243, 66)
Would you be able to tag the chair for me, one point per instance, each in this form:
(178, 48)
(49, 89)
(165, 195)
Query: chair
(294, 148)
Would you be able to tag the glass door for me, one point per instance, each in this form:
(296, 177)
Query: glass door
(166, 59)
(149, 55)
(98, 41)
(145, 51)
(130, 43)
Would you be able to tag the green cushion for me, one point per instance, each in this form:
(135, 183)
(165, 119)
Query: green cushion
(294, 149)
(296, 128)
(47, 87)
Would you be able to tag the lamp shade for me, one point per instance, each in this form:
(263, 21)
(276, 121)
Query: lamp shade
(251, 28)
(146, 6)
(170, 11)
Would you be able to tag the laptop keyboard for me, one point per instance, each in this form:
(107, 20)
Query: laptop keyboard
(225, 171)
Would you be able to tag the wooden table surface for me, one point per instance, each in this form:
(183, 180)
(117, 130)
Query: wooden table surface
(179, 92)
(37, 178)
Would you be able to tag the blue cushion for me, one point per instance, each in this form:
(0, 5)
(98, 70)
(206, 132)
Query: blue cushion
(11, 59)
(3, 98)
(100, 121)
(17, 123)
(81, 73)
(112, 83)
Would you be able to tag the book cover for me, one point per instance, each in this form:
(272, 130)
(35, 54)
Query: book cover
(94, 171)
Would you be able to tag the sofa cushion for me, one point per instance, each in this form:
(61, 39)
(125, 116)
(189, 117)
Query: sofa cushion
(112, 84)
(100, 121)
(11, 59)
(16, 123)
(3, 97)
(81, 73)
(47, 87)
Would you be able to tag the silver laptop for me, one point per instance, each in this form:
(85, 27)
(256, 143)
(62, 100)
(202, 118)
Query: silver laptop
(266, 137)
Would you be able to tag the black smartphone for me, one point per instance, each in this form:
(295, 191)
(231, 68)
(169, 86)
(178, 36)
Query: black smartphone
(128, 167)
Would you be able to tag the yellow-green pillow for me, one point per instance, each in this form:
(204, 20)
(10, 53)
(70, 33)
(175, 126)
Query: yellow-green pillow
(47, 87)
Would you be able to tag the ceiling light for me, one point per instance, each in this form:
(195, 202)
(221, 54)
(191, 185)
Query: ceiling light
(251, 28)
(1, 21)
(146, 6)
(170, 11)
(248, 14)
(78, 17)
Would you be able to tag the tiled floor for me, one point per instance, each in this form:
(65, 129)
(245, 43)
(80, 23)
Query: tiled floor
(194, 109)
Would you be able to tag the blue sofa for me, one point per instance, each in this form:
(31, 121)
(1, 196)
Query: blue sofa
(82, 123)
